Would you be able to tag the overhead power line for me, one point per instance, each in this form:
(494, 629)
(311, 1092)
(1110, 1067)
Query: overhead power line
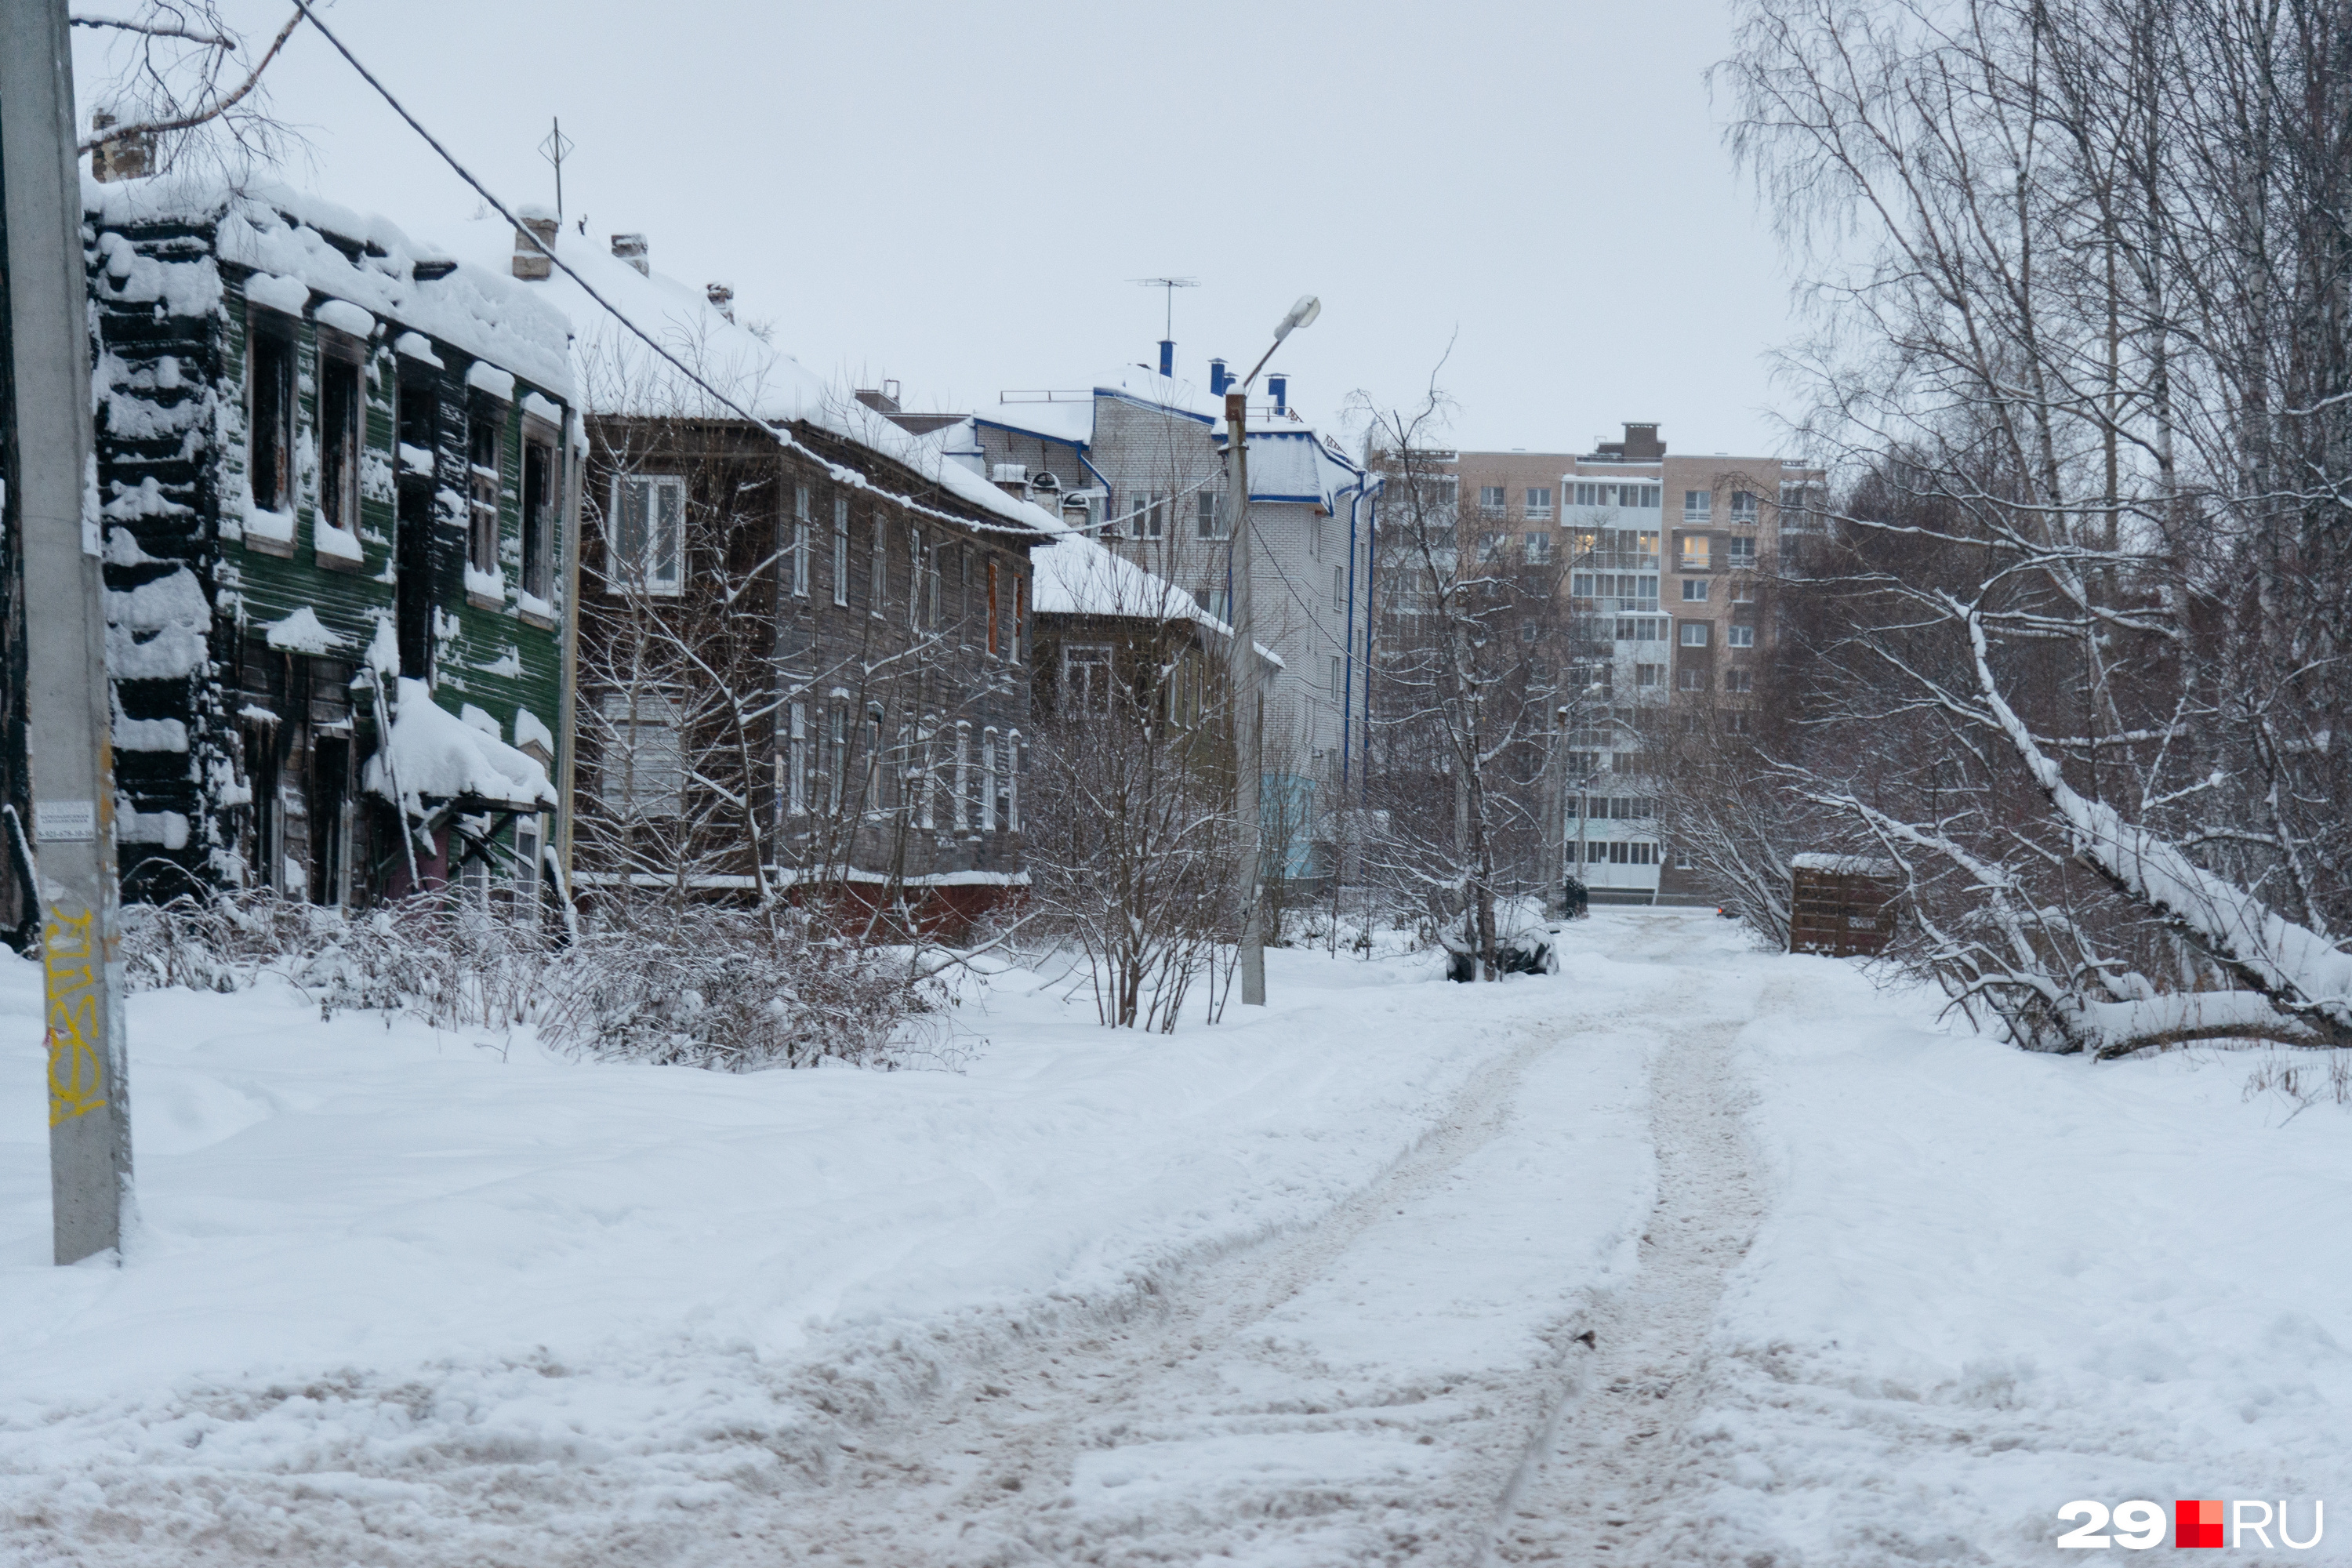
(781, 437)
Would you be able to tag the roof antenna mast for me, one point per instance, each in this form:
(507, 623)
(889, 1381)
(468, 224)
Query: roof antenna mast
(554, 150)
(1168, 334)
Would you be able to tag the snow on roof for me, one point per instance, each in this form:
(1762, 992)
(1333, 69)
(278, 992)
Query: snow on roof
(618, 375)
(288, 236)
(1076, 576)
(432, 755)
(1842, 865)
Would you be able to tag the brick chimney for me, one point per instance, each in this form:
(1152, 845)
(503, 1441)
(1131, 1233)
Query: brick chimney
(531, 262)
(1642, 444)
(125, 157)
(631, 248)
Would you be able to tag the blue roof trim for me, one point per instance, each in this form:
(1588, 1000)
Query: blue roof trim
(1313, 500)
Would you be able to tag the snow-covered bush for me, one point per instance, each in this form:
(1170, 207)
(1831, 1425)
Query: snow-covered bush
(737, 990)
(707, 987)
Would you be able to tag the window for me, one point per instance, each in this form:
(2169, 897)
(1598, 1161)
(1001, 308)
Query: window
(528, 837)
(1691, 678)
(877, 571)
(1649, 675)
(1739, 637)
(1539, 503)
(992, 606)
(801, 545)
(988, 780)
(1740, 554)
(929, 765)
(1335, 675)
(963, 594)
(1539, 547)
(648, 542)
(1743, 591)
(340, 407)
(1695, 634)
(1490, 547)
(1150, 515)
(1086, 677)
(417, 425)
(1695, 590)
(837, 755)
(1020, 592)
(1338, 590)
(1641, 628)
(932, 579)
(1736, 722)
(1490, 498)
(1697, 505)
(960, 806)
(542, 493)
(872, 737)
(1740, 680)
(795, 790)
(1743, 506)
(642, 770)
(1208, 518)
(269, 384)
(1012, 781)
(486, 428)
(914, 579)
(841, 551)
(1530, 630)
(1685, 860)
(1697, 556)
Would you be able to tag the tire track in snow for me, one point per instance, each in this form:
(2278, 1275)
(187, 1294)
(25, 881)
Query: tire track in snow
(985, 1478)
(1602, 1484)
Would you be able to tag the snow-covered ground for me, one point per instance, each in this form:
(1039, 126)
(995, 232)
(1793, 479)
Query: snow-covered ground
(1395, 1271)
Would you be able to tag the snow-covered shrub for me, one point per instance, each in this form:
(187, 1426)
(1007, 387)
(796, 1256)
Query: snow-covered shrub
(717, 988)
(737, 990)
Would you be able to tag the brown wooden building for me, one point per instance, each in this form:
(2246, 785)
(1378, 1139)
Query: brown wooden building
(803, 635)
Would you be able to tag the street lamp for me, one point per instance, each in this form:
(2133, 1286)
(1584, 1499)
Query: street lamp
(1249, 716)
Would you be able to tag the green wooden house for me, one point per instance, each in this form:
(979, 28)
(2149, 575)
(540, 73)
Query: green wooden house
(337, 470)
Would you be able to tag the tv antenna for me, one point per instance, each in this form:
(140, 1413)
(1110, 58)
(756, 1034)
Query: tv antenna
(554, 150)
(1171, 284)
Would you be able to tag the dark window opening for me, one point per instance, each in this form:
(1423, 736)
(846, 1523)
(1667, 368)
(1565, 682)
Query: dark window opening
(269, 370)
(539, 492)
(340, 410)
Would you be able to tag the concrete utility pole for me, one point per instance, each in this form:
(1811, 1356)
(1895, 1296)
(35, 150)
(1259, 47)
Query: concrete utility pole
(54, 507)
(1249, 710)
(1249, 686)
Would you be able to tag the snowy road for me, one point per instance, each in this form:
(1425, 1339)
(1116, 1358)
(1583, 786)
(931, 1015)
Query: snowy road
(1436, 1373)
(1693, 1257)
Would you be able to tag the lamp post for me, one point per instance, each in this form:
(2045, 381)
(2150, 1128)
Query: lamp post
(1249, 687)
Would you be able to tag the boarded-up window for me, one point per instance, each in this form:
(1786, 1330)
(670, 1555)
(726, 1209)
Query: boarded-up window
(641, 764)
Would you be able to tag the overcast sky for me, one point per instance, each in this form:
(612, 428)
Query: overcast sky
(958, 196)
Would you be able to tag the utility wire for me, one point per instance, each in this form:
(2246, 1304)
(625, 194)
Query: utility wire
(838, 471)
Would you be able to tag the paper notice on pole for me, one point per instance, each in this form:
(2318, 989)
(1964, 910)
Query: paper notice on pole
(64, 821)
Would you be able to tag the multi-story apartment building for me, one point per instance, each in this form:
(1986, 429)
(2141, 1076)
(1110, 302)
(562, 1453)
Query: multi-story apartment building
(1662, 557)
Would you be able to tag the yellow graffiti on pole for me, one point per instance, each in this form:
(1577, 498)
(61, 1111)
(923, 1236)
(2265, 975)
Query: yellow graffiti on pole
(69, 961)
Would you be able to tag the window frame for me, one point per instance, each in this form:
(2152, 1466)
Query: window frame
(1685, 637)
(841, 552)
(618, 581)
(543, 443)
(339, 363)
(281, 422)
(486, 421)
